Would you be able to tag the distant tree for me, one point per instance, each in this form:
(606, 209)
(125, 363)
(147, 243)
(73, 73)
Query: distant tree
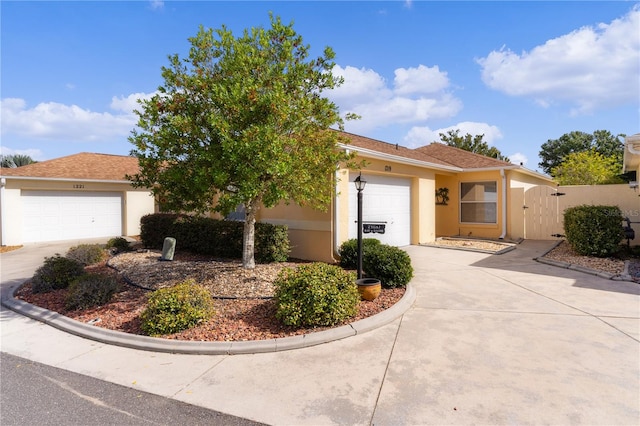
(15, 160)
(587, 168)
(554, 151)
(241, 121)
(471, 143)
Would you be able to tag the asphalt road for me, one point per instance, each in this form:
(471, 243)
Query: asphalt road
(37, 394)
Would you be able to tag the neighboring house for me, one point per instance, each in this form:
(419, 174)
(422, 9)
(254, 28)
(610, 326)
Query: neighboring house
(487, 198)
(631, 156)
(79, 196)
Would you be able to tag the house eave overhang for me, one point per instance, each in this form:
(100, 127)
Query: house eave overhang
(52, 179)
(514, 167)
(369, 153)
(631, 152)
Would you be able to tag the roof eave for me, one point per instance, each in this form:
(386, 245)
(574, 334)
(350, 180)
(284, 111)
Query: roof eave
(369, 153)
(514, 167)
(63, 179)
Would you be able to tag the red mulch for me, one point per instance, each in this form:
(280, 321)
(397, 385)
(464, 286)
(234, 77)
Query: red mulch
(235, 319)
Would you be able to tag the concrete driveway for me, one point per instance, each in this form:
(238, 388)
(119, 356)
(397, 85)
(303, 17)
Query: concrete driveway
(489, 340)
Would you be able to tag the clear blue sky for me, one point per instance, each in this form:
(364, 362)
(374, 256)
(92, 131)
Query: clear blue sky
(518, 72)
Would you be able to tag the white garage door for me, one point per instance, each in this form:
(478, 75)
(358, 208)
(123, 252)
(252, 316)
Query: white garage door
(62, 215)
(386, 209)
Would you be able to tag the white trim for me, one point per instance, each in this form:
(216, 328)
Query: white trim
(504, 204)
(3, 215)
(65, 179)
(398, 159)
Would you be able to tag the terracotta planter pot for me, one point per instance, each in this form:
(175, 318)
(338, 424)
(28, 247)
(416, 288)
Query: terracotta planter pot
(369, 288)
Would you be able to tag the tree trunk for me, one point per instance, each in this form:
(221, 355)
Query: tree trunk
(248, 236)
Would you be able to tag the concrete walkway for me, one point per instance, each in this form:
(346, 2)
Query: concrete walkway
(489, 340)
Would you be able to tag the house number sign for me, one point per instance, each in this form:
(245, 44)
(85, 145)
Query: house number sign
(373, 228)
(78, 186)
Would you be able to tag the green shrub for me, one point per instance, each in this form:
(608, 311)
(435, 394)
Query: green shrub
(348, 251)
(90, 290)
(391, 265)
(176, 308)
(119, 244)
(221, 238)
(316, 294)
(594, 230)
(272, 243)
(56, 273)
(87, 254)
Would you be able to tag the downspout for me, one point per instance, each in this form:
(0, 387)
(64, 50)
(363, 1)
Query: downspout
(336, 222)
(504, 204)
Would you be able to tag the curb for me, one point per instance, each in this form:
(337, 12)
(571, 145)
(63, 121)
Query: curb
(156, 344)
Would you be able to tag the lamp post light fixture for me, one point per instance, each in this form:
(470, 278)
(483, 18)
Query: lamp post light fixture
(360, 184)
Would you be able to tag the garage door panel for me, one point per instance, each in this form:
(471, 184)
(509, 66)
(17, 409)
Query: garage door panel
(386, 200)
(62, 215)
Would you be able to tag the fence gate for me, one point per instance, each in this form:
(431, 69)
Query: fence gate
(542, 214)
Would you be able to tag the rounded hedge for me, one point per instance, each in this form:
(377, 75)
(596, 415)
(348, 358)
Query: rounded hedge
(119, 244)
(316, 294)
(177, 308)
(87, 254)
(348, 251)
(594, 230)
(90, 290)
(56, 273)
(391, 265)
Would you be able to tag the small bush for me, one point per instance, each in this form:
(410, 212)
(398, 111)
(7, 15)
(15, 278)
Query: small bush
(391, 265)
(594, 230)
(316, 294)
(348, 251)
(87, 254)
(177, 308)
(90, 290)
(119, 245)
(56, 273)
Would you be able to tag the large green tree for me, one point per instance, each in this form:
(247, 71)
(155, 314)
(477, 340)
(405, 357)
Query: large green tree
(241, 121)
(554, 151)
(587, 168)
(471, 143)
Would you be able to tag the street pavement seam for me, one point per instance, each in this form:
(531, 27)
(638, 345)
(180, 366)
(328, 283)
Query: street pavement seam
(386, 369)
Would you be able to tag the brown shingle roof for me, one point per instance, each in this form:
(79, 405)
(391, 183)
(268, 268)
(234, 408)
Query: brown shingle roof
(79, 166)
(460, 158)
(393, 149)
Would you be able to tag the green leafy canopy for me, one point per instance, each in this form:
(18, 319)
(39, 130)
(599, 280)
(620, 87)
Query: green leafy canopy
(241, 121)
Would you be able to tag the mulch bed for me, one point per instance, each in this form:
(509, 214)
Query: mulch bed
(235, 319)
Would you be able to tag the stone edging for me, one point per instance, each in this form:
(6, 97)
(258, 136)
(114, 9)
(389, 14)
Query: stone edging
(156, 344)
(625, 276)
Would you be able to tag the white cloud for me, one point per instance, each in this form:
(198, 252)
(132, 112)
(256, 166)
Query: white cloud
(518, 158)
(35, 154)
(416, 95)
(590, 68)
(420, 136)
(420, 80)
(56, 121)
(156, 4)
(129, 103)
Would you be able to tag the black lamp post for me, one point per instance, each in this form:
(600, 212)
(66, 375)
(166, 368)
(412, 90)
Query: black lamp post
(360, 184)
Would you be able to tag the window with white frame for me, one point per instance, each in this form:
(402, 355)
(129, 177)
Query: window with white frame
(479, 202)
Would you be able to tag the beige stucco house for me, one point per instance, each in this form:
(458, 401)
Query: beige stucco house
(486, 199)
(79, 196)
(86, 195)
